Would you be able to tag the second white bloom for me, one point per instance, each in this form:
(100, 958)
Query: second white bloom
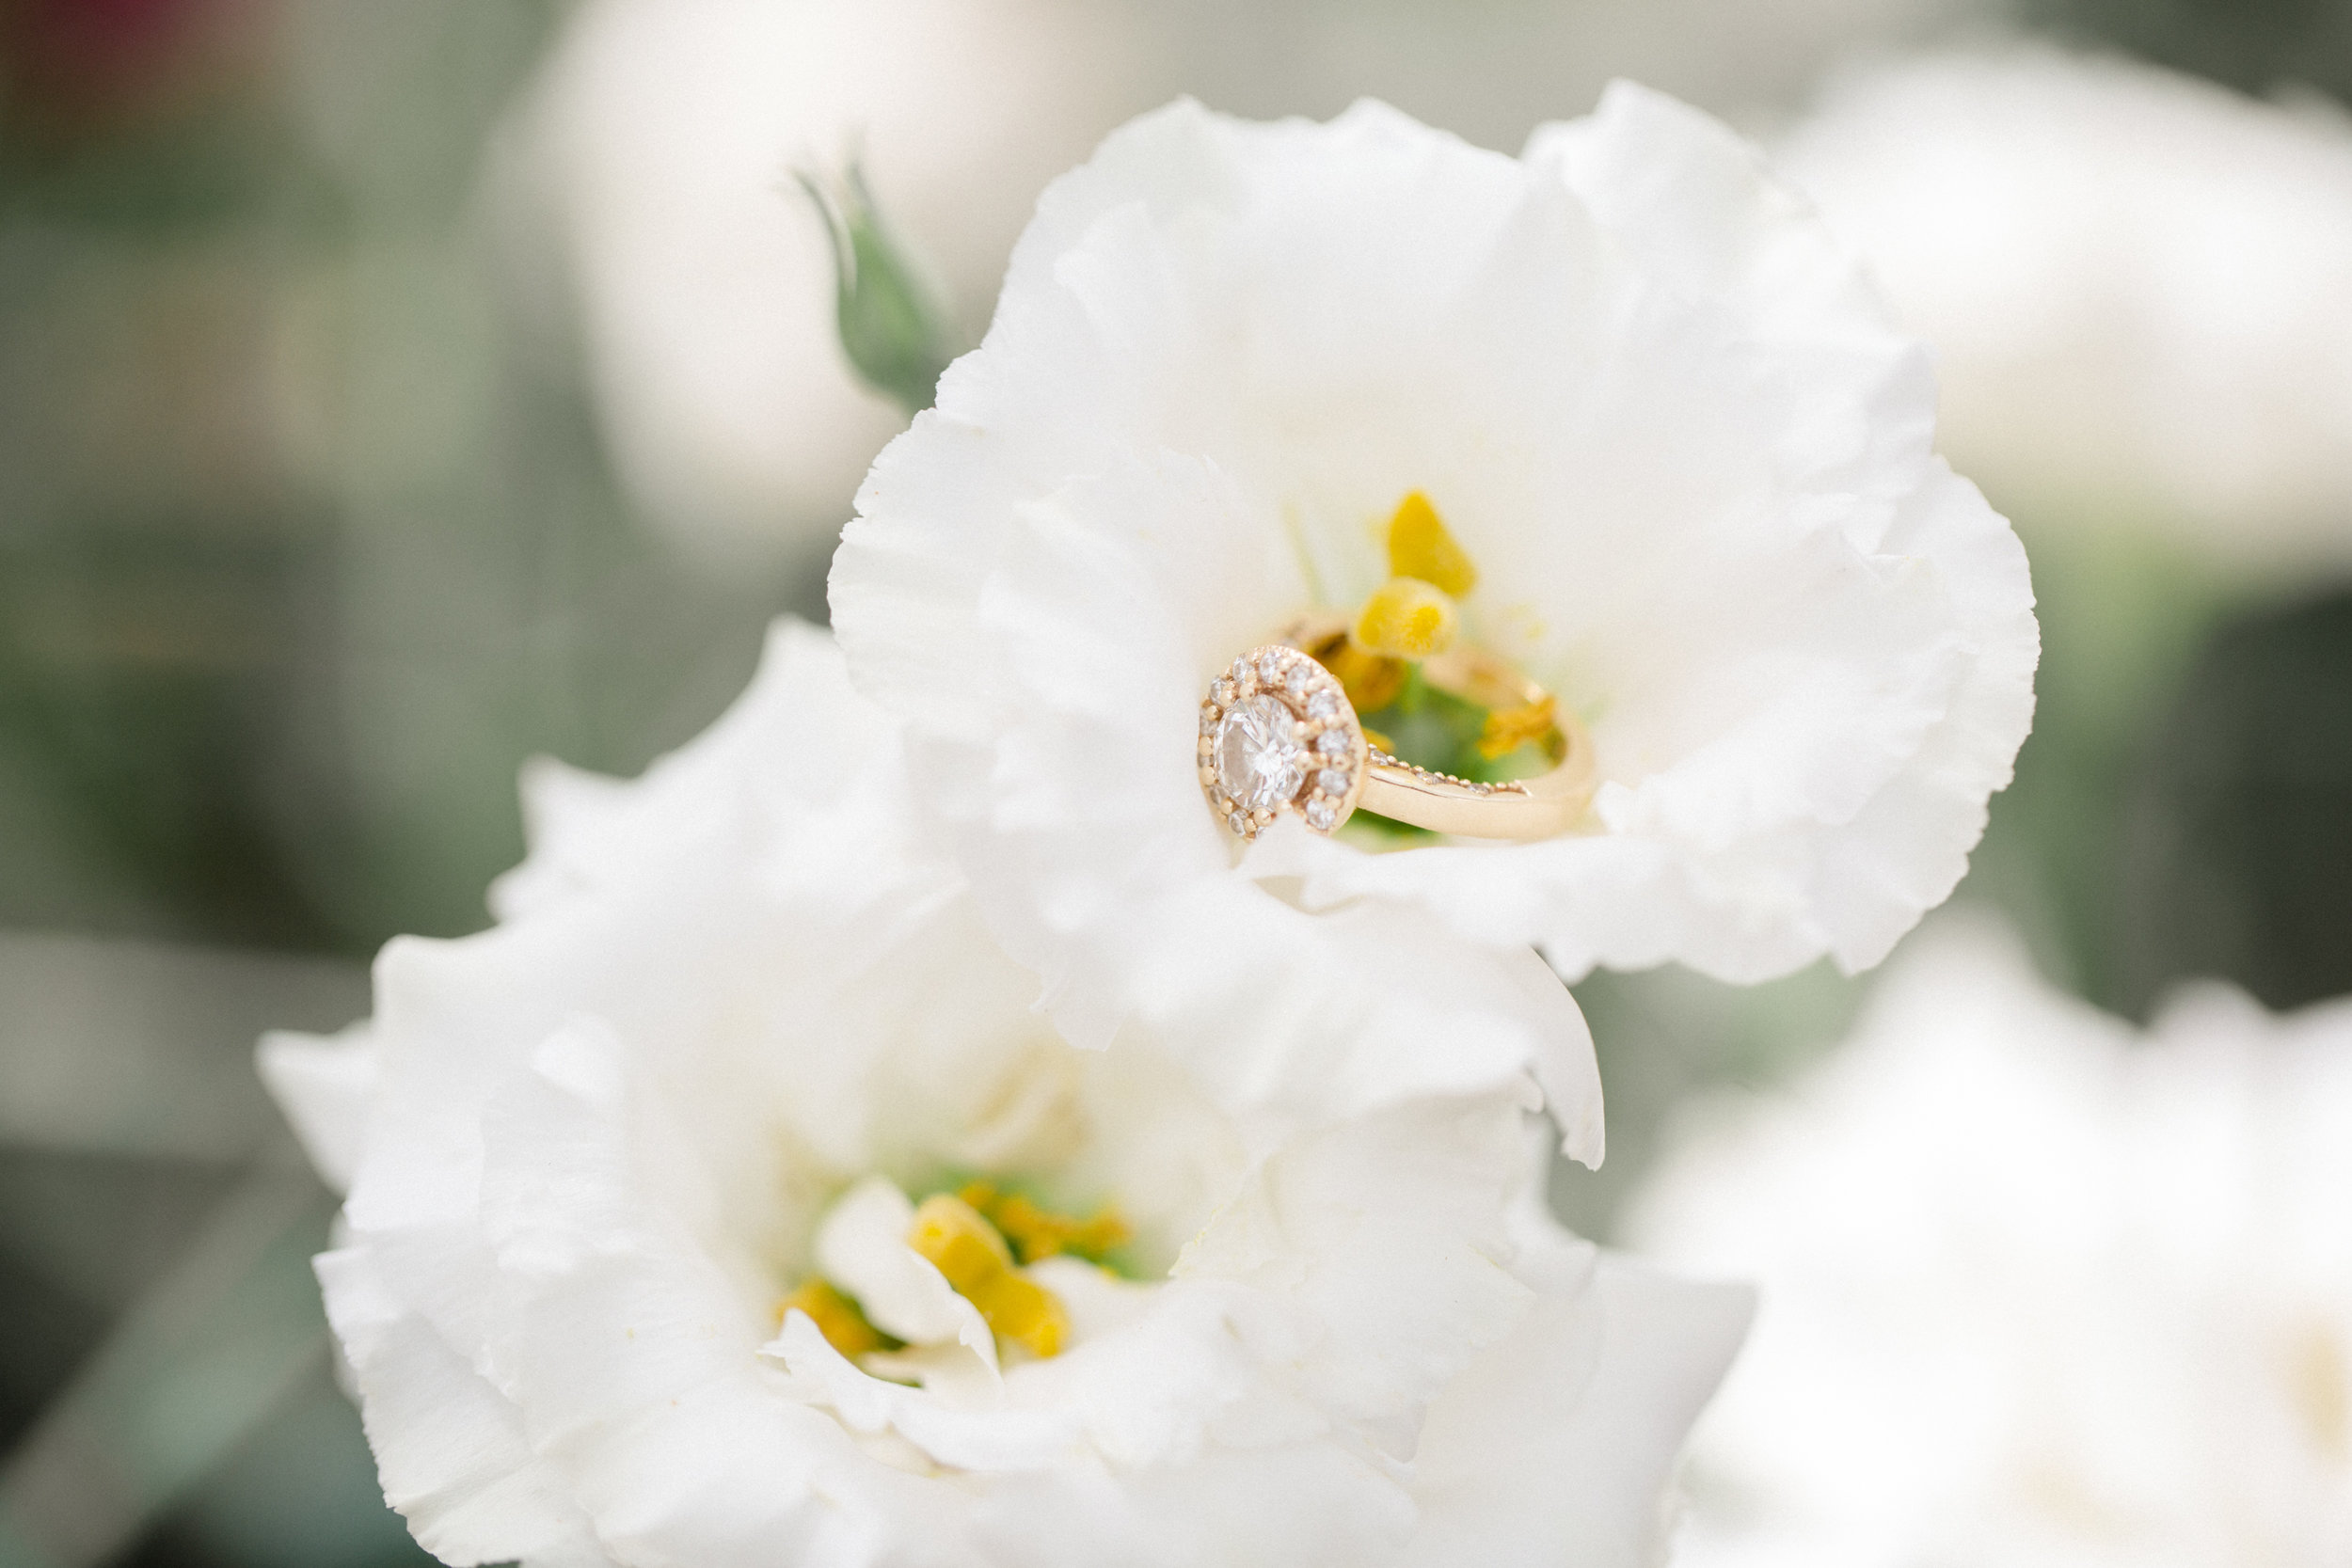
(728, 1204)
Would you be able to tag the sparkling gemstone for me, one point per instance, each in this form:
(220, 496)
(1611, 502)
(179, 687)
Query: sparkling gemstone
(1240, 676)
(1258, 759)
(1270, 667)
(1208, 721)
(1324, 704)
(1333, 743)
(1296, 681)
(1223, 692)
(1332, 781)
(1321, 814)
(1239, 823)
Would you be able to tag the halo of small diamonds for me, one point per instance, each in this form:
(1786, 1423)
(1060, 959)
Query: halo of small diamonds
(1278, 735)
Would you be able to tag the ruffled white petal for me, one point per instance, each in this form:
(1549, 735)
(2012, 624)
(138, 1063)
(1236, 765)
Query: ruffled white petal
(1504, 1480)
(448, 1444)
(324, 1087)
(800, 764)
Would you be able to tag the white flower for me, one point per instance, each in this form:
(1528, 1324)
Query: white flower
(2134, 282)
(2036, 1290)
(627, 1159)
(658, 148)
(1688, 457)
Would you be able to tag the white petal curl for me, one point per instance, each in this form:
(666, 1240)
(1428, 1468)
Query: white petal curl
(323, 1087)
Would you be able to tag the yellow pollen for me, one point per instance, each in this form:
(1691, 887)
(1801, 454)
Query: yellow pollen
(979, 1266)
(1372, 681)
(1405, 618)
(838, 1318)
(1509, 728)
(1420, 547)
(1036, 1232)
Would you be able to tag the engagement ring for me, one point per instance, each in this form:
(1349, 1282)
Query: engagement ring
(1278, 734)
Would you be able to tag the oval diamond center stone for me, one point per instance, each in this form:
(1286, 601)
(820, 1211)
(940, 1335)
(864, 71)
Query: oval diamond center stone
(1258, 759)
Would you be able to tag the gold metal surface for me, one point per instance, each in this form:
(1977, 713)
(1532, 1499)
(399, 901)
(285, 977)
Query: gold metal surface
(1541, 807)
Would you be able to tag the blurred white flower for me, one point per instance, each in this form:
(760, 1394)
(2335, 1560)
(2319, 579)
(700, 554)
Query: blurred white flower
(2037, 1290)
(2134, 283)
(632, 1226)
(660, 144)
(1687, 456)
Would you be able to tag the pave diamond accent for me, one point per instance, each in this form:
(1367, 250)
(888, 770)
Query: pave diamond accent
(1426, 776)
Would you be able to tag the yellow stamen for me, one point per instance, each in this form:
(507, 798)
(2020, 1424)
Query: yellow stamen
(1405, 618)
(1036, 1232)
(967, 1250)
(839, 1319)
(1420, 547)
(1510, 728)
(1372, 681)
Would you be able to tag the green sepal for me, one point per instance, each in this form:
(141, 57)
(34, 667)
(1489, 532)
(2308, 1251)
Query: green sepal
(895, 335)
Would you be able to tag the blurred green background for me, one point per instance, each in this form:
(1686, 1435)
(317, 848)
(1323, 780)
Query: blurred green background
(316, 519)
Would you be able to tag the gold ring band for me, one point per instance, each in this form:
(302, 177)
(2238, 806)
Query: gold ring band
(1279, 735)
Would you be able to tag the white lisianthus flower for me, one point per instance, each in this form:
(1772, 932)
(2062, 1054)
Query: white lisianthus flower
(2134, 281)
(2037, 1290)
(1676, 462)
(728, 1204)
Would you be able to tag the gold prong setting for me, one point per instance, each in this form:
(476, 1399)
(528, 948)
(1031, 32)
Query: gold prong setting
(1278, 735)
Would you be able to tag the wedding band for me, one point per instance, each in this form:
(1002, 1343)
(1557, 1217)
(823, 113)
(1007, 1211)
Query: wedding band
(1279, 734)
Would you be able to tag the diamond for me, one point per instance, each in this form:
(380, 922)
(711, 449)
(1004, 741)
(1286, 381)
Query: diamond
(1239, 823)
(1324, 704)
(1208, 721)
(1270, 667)
(1332, 781)
(1333, 743)
(1295, 681)
(1224, 691)
(1240, 675)
(1321, 814)
(1258, 759)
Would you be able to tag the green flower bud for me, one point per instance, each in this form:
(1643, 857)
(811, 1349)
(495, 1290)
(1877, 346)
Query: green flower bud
(891, 330)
